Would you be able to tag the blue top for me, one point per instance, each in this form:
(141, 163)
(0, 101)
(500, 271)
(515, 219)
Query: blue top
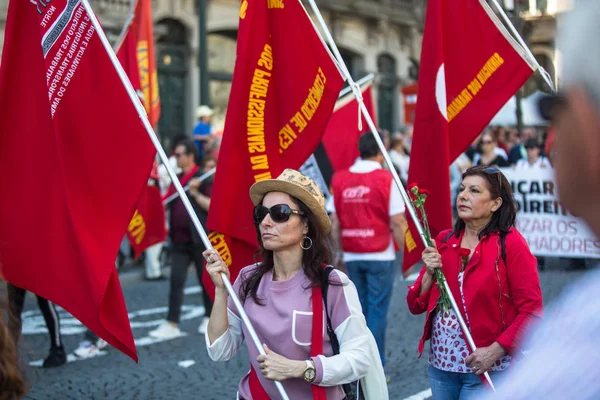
(203, 129)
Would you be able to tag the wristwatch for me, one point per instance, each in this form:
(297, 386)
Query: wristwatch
(310, 373)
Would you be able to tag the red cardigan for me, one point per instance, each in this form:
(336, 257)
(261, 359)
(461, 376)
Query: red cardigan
(501, 305)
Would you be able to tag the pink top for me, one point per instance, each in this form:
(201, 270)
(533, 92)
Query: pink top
(284, 323)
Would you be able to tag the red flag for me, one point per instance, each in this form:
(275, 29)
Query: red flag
(67, 130)
(341, 136)
(285, 85)
(147, 227)
(470, 67)
(136, 54)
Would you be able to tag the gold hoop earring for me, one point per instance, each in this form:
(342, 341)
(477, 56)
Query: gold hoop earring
(304, 241)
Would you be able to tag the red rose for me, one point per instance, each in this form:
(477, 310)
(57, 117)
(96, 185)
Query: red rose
(412, 186)
(424, 191)
(464, 253)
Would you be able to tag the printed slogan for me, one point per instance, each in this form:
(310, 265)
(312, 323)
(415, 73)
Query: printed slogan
(548, 228)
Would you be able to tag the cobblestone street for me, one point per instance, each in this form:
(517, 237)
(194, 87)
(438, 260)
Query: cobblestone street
(164, 370)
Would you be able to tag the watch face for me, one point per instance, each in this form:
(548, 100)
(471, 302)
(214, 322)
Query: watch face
(309, 375)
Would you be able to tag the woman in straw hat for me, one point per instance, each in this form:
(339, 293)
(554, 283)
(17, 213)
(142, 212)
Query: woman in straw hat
(283, 297)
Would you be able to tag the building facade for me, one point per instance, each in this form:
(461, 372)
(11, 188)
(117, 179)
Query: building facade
(380, 36)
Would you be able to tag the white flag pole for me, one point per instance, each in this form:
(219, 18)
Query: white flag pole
(186, 188)
(128, 21)
(163, 156)
(358, 94)
(360, 82)
(545, 75)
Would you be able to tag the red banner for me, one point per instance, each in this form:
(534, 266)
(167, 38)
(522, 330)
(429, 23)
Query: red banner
(68, 124)
(147, 227)
(284, 88)
(136, 54)
(341, 136)
(470, 67)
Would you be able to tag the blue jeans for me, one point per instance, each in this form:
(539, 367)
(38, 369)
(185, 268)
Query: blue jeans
(458, 386)
(374, 281)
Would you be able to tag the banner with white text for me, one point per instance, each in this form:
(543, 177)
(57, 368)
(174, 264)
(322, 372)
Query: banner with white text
(548, 228)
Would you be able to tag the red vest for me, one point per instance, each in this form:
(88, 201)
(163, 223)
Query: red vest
(362, 204)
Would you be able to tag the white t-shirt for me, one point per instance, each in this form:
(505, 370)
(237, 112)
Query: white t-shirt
(541, 162)
(396, 207)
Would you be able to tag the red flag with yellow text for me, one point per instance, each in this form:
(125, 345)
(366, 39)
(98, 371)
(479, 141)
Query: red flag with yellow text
(342, 133)
(68, 123)
(470, 67)
(147, 227)
(136, 54)
(285, 85)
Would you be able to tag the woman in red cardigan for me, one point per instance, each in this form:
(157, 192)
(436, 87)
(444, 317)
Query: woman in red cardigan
(494, 280)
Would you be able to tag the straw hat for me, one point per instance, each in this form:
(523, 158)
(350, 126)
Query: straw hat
(301, 187)
(204, 111)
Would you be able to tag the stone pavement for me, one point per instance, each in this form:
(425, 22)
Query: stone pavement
(159, 374)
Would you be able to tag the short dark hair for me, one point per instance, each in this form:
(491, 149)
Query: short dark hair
(189, 146)
(367, 146)
(503, 218)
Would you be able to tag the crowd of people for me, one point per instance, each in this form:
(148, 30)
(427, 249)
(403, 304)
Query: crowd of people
(487, 264)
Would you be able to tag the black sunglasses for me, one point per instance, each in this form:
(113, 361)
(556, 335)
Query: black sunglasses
(550, 104)
(278, 213)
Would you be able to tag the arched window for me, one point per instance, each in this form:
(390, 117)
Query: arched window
(387, 99)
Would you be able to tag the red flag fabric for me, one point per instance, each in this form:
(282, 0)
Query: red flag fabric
(147, 227)
(470, 67)
(67, 127)
(284, 88)
(341, 135)
(136, 54)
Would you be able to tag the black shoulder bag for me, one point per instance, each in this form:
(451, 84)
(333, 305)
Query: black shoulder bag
(349, 388)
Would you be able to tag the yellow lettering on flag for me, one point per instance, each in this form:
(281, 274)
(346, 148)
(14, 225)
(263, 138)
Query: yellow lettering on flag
(474, 87)
(255, 123)
(217, 240)
(137, 227)
(243, 9)
(143, 64)
(275, 4)
(308, 109)
(410, 241)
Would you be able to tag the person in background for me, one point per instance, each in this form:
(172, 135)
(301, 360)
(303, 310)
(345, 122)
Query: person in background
(534, 159)
(185, 241)
(519, 152)
(563, 356)
(399, 157)
(367, 215)
(493, 277)
(12, 381)
(16, 302)
(490, 154)
(203, 131)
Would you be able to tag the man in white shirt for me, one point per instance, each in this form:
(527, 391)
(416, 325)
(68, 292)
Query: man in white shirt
(367, 214)
(563, 359)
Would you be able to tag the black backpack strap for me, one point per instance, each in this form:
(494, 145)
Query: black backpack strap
(335, 344)
(448, 236)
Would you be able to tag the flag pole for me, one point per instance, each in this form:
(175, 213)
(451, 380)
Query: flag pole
(128, 21)
(359, 82)
(358, 94)
(163, 156)
(186, 188)
(545, 75)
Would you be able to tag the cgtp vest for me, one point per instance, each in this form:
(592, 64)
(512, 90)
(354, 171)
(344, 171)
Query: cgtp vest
(362, 203)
